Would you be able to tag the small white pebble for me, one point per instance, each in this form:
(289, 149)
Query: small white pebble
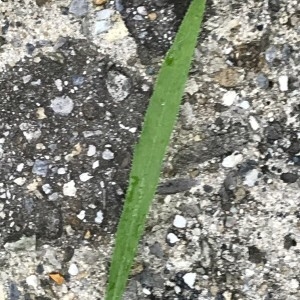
(167, 199)
(142, 10)
(249, 273)
(256, 138)
(40, 146)
(189, 279)
(232, 160)
(294, 284)
(61, 171)
(244, 104)
(107, 154)
(132, 130)
(20, 180)
(227, 50)
(229, 98)
(20, 167)
(26, 78)
(85, 177)
(99, 217)
(95, 164)
(69, 230)
(69, 189)
(73, 270)
(62, 105)
(47, 188)
(146, 291)
(32, 280)
(32, 135)
(177, 289)
(283, 83)
(53, 197)
(91, 151)
(251, 178)
(253, 123)
(196, 231)
(37, 82)
(172, 238)
(145, 87)
(58, 84)
(81, 215)
(179, 221)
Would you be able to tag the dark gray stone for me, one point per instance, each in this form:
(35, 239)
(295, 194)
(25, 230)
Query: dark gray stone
(177, 185)
(274, 132)
(255, 255)
(156, 250)
(274, 5)
(262, 81)
(289, 177)
(289, 242)
(286, 52)
(14, 293)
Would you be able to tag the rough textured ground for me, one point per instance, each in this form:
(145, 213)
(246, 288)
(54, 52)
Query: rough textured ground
(75, 82)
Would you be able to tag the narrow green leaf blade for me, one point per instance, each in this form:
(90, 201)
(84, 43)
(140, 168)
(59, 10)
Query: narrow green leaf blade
(149, 152)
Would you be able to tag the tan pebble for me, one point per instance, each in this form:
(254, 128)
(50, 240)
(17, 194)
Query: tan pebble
(57, 278)
(229, 77)
(33, 186)
(77, 149)
(81, 275)
(214, 290)
(40, 113)
(240, 194)
(194, 173)
(227, 295)
(87, 235)
(152, 16)
(99, 2)
(74, 222)
(197, 138)
(137, 268)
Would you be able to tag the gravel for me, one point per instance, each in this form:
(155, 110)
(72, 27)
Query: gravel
(75, 82)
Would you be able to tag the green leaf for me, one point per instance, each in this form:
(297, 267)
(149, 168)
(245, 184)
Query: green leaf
(149, 152)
